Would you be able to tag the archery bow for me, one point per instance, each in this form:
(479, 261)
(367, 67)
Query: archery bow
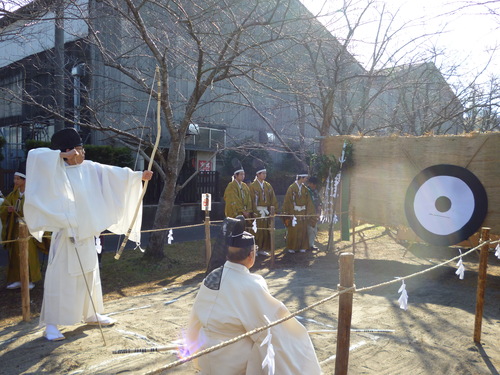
(150, 166)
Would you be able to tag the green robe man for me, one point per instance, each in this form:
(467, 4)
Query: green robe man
(237, 195)
(11, 212)
(263, 198)
(298, 204)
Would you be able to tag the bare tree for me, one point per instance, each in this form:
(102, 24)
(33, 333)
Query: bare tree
(482, 112)
(198, 47)
(234, 62)
(480, 92)
(402, 89)
(340, 96)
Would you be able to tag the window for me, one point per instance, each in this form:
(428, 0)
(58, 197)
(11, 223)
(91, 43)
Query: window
(10, 97)
(208, 138)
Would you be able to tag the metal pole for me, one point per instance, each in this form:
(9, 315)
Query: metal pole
(208, 244)
(272, 230)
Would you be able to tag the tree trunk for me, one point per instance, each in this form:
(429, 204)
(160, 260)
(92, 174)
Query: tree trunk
(59, 66)
(175, 160)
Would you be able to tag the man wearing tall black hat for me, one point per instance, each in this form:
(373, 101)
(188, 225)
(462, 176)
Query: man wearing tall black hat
(299, 210)
(80, 200)
(237, 194)
(230, 302)
(263, 197)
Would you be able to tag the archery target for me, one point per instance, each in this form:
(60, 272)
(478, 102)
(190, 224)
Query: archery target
(445, 204)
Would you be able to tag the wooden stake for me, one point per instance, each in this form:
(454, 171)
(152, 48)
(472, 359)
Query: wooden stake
(346, 277)
(272, 229)
(344, 211)
(208, 243)
(24, 271)
(353, 231)
(481, 283)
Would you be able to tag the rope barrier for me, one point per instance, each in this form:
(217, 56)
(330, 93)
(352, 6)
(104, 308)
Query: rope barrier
(307, 308)
(212, 222)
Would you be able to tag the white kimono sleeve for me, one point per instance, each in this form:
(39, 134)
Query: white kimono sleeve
(48, 194)
(122, 190)
(294, 352)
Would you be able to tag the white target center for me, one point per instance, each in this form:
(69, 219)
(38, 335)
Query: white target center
(443, 219)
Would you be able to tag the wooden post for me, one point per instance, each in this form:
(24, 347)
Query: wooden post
(353, 231)
(24, 270)
(208, 243)
(344, 205)
(346, 277)
(481, 283)
(272, 229)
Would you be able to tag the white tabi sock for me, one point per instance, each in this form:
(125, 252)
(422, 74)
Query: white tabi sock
(52, 333)
(103, 319)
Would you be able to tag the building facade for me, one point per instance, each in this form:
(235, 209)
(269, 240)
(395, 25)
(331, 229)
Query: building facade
(107, 75)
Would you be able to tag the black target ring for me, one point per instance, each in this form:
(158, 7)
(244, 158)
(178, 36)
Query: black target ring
(445, 204)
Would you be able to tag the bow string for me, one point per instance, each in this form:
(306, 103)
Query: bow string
(150, 166)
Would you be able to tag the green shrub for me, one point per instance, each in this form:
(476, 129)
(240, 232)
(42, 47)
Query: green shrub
(119, 156)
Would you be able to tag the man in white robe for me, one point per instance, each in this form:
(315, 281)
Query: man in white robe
(232, 301)
(76, 200)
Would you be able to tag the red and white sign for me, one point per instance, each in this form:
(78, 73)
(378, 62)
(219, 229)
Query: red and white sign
(206, 202)
(204, 165)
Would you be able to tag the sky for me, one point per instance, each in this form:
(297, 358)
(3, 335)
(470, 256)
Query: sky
(465, 38)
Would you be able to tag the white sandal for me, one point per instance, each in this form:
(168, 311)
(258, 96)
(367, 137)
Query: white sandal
(51, 333)
(104, 320)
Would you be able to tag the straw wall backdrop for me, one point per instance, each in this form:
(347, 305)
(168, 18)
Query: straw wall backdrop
(385, 166)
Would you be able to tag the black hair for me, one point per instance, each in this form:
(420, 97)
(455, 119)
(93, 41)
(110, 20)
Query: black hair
(65, 139)
(240, 254)
(232, 234)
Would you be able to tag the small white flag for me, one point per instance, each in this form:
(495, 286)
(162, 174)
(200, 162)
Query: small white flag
(497, 251)
(294, 221)
(269, 359)
(254, 226)
(403, 299)
(461, 269)
(342, 158)
(170, 236)
(98, 245)
(336, 181)
(138, 247)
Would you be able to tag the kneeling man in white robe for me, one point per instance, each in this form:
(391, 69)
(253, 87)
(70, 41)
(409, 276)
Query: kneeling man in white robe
(232, 301)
